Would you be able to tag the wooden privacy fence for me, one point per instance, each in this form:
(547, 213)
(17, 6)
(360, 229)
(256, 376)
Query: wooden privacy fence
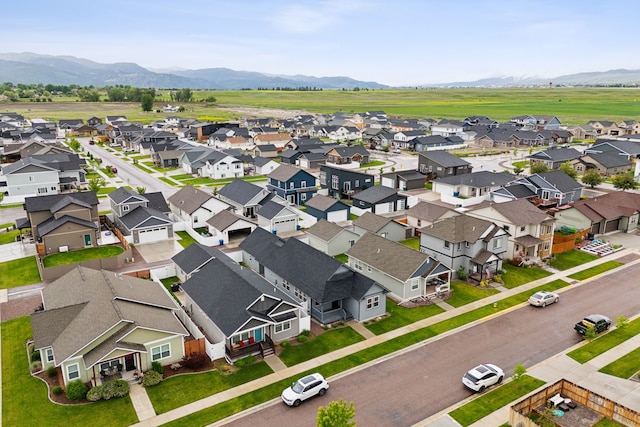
(566, 242)
(194, 346)
(602, 405)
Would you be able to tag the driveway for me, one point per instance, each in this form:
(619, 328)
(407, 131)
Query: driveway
(16, 250)
(159, 251)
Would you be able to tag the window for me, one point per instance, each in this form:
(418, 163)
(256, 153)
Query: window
(447, 244)
(335, 182)
(160, 352)
(459, 246)
(303, 184)
(73, 371)
(505, 228)
(419, 223)
(357, 265)
(467, 245)
(125, 208)
(292, 185)
(546, 246)
(415, 285)
(497, 243)
(522, 228)
(49, 355)
(357, 183)
(284, 326)
(373, 302)
(286, 285)
(30, 179)
(42, 190)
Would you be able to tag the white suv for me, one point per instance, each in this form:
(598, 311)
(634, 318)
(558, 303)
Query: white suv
(482, 376)
(305, 388)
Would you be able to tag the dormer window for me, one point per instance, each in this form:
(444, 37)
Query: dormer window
(125, 208)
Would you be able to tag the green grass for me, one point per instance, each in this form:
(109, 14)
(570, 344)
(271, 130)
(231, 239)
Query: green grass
(372, 164)
(141, 157)
(185, 239)
(521, 164)
(516, 276)
(606, 422)
(167, 282)
(493, 400)
(322, 344)
(343, 258)
(464, 293)
(19, 272)
(167, 180)
(25, 400)
(182, 389)
(182, 177)
(401, 316)
(595, 270)
(7, 225)
(16, 205)
(81, 255)
(572, 258)
(625, 367)
(413, 243)
(106, 190)
(605, 342)
(8, 236)
(142, 168)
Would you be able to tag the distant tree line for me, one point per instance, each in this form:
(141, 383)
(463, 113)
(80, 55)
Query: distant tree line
(126, 93)
(286, 88)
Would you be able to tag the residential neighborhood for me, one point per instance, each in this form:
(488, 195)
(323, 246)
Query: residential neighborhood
(257, 248)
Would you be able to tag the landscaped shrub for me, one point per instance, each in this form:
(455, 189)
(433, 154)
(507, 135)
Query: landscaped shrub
(36, 366)
(302, 339)
(196, 361)
(76, 390)
(175, 366)
(117, 388)
(52, 371)
(56, 390)
(245, 361)
(94, 394)
(157, 366)
(461, 272)
(285, 344)
(35, 356)
(151, 378)
(305, 332)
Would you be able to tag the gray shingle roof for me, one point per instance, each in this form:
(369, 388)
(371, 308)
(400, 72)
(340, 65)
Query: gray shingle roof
(371, 222)
(478, 179)
(193, 257)
(142, 217)
(224, 219)
(457, 229)
(44, 203)
(324, 230)
(374, 194)
(428, 211)
(271, 209)
(322, 203)
(189, 198)
(241, 191)
(285, 172)
(52, 224)
(444, 158)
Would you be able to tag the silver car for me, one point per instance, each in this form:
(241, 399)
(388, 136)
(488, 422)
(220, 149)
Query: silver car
(543, 298)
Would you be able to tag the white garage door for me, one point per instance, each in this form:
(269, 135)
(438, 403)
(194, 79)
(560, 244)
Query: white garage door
(285, 225)
(152, 235)
(383, 208)
(337, 216)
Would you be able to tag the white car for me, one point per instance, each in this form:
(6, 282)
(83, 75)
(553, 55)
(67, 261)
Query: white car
(482, 376)
(543, 298)
(305, 388)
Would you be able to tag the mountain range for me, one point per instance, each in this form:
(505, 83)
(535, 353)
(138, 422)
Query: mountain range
(30, 68)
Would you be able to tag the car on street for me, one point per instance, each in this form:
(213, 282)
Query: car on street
(598, 322)
(482, 376)
(543, 298)
(305, 388)
(92, 142)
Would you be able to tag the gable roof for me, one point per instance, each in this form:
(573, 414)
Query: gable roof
(457, 229)
(285, 172)
(241, 192)
(374, 194)
(271, 209)
(323, 203)
(225, 219)
(444, 158)
(559, 179)
(142, 217)
(428, 211)
(478, 179)
(46, 203)
(52, 224)
(90, 302)
(609, 206)
(324, 230)
(189, 198)
(556, 154)
(610, 160)
(193, 257)
(122, 195)
(371, 222)
(519, 212)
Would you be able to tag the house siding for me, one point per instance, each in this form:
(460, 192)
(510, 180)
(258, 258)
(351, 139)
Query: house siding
(176, 349)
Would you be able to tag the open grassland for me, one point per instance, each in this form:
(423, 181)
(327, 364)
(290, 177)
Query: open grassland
(570, 105)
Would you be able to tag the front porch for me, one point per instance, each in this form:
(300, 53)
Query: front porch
(251, 347)
(122, 367)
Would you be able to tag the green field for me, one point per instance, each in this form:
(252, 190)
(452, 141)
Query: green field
(570, 105)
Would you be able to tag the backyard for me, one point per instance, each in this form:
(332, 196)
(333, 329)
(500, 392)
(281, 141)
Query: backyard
(86, 254)
(19, 272)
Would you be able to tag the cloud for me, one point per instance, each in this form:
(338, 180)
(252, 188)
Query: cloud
(319, 16)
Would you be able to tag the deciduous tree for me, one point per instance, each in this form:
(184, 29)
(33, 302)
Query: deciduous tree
(336, 414)
(592, 178)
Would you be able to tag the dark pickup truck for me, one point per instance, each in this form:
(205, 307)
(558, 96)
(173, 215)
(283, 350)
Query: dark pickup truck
(597, 321)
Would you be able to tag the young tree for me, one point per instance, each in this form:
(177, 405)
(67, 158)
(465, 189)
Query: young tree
(147, 102)
(567, 168)
(518, 170)
(590, 333)
(518, 373)
(336, 414)
(624, 181)
(74, 144)
(538, 167)
(141, 190)
(95, 184)
(592, 178)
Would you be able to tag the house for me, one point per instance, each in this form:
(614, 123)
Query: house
(530, 229)
(44, 174)
(465, 243)
(313, 159)
(426, 213)
(330, 238)
(237, 307)
(403, 180)
(292, 184)
(553, 188)
(447, 128)
(191, 259)
(439, 164)
(604, 127)
(435, 143)
(95, 320)
(227, 226)
(280, 140)
(344, 183)
(471, 188)
(606, 213)
(327, 289)
(583, 132)
(269, 151)
(626, 148)
(194, 206)
(277, 218)
(329, 208)
(382, 226)
(607, 163)
(379, 200)
(407, 273)
(264, 166)
(143, 217)
(245, 198)
(354, 155)
(63, 222)
(554, 157)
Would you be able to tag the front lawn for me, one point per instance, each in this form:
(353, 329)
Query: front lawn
(624, 367)
(317, 346)
(605, 342)
(464, 293)
(8, 236)
(572, 258)
(595, 270)
(372, 164)
(62, 258)
(25, 399)
(516, 276)
(179, 390)
(493, 400)
(401, 316)
(19, 272)
(413, 243)
(185, 239)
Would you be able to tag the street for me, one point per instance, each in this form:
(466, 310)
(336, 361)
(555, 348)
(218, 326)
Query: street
(413, 386)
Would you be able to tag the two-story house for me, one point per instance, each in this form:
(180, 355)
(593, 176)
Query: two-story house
(195, 206)
(554, 157)
(292, 184)
(44, 174)
(439, 164)
(344, 183)
(143, 217)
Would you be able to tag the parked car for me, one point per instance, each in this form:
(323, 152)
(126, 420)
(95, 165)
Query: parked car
(92, 142)
(599, 323)
(543, 298)
(305, 388)
(482, 376)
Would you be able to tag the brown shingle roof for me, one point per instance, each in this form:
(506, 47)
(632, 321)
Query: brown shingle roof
(371, 222)
(457, 229)
(189, 199)
(324, 230)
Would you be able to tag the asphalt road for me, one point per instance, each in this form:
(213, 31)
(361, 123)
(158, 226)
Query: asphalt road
(413, 386)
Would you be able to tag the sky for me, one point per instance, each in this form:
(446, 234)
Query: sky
(397, 43)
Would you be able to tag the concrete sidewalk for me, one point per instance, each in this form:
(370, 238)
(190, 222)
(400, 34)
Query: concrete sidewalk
(375, 340)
